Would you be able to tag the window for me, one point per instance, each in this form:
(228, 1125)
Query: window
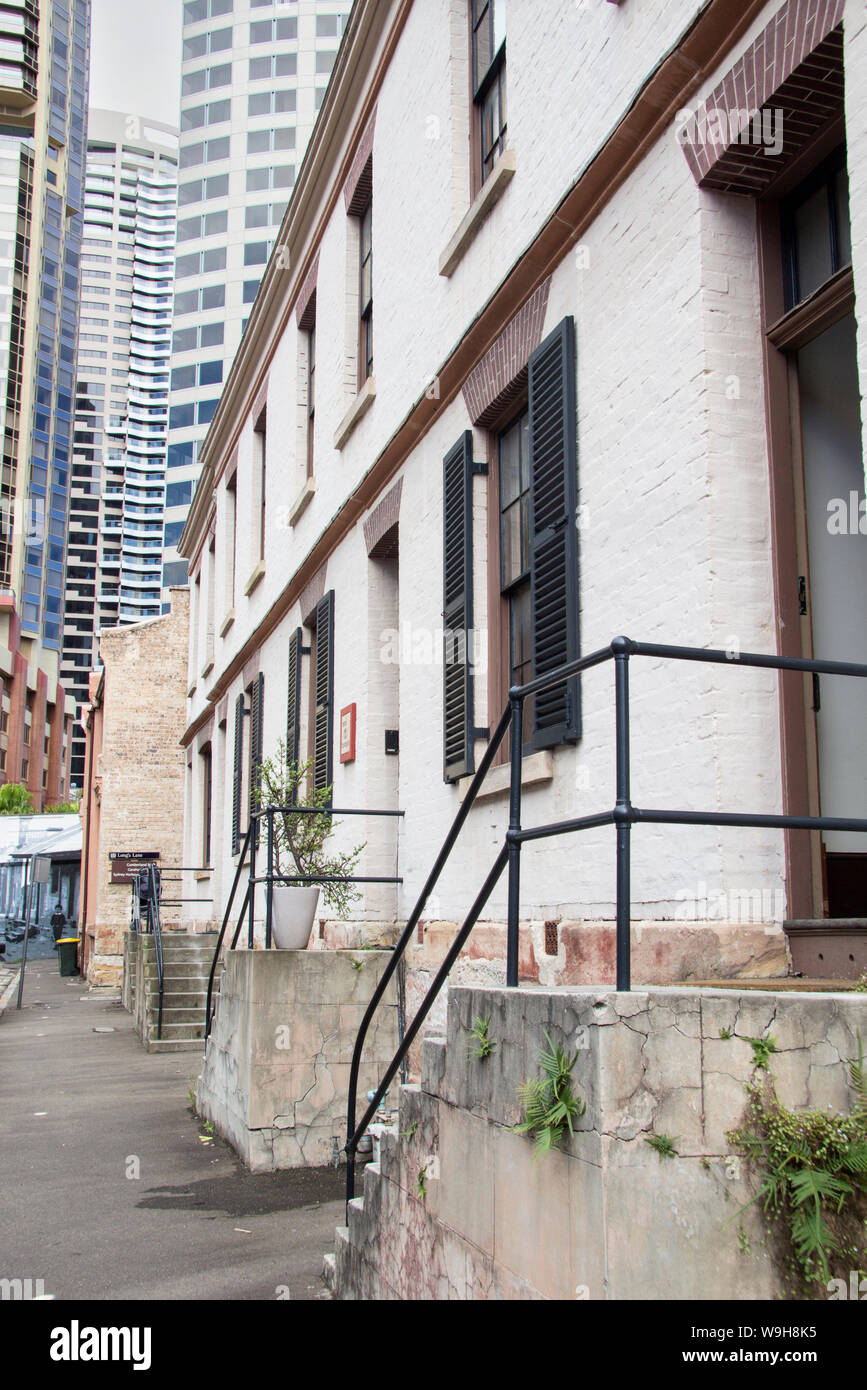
(535, 484)
(210, 373)
(322, 692)
(207, 789)
(311, 394)
(267, 30)
(514, 483)
(365, 349)
(256, 693)
(256, 253)
(330, 26)
(238, 773)
(260, 441)
(817, 241)
(459, 733)
(231, 539)
(276, 65)
(260, 141)
(488, 24)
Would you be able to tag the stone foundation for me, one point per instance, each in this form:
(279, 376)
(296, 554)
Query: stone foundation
(606, 1217)
(274, 1081)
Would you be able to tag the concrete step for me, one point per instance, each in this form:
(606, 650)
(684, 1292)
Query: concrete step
(176, 1045)
(173, 1013)
(180, 999)
(182, 1030)
(185, 969)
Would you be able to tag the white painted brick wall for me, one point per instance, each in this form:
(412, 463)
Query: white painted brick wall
(672, 469)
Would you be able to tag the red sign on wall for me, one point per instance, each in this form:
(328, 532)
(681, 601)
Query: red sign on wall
(347, 734)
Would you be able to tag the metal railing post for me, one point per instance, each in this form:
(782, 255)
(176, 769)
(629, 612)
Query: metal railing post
(623, 812)
(251, 927)
(270, 885)
(514, 844)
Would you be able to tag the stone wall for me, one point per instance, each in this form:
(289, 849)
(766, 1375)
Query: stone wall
(139, 772)
(608, 1217)
(275, 1077)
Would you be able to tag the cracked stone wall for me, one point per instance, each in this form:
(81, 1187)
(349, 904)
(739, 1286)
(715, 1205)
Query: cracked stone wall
(606, 1218)
(275, 1075)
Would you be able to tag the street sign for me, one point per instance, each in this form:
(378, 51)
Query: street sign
(125, 864)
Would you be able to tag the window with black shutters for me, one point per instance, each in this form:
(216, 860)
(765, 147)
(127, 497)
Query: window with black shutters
(533, 545)
(554, 532)
(322, 693)
(238, 774)
(458, 713)
(257, 700)
(293, 702)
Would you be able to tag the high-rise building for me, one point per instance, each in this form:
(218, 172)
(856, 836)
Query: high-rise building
(254, 74)
(44, 58)
(114, 569)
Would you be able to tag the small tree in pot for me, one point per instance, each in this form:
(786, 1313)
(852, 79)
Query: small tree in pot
(299, 848)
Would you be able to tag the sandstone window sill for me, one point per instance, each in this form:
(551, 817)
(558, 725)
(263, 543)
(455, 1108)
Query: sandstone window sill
(202, 874)
(207, 668)
(302, 502)
(227, 622)
(360, 406)
(480, 209)
(537, 768)
(255, 578)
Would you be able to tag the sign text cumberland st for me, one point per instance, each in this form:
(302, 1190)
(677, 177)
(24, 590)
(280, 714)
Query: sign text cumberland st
(125, 864)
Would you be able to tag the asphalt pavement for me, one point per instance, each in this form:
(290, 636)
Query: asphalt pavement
(109, 1186)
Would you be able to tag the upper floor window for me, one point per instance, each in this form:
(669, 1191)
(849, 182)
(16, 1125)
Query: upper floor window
(365, 355)
(817, 240)
(488, 24)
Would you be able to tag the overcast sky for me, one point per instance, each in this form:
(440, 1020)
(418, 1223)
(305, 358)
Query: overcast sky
(135, 63)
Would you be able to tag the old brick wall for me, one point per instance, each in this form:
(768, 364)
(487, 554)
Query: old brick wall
(141, 767)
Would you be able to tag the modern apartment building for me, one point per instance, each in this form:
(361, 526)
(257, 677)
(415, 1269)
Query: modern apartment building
(44, 57)
(254, 74)
(114, 569)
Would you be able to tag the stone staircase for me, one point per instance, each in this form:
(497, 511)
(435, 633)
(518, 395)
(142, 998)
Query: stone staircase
(187, 964)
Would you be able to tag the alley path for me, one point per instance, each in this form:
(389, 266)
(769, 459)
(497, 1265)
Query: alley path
(78, 1107)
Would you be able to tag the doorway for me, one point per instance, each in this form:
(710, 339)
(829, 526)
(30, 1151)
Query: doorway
(835, 595)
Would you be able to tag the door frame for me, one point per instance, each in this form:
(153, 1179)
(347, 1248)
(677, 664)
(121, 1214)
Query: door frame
(783, 333)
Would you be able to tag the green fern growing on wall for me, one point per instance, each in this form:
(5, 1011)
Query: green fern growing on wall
(548, 1102)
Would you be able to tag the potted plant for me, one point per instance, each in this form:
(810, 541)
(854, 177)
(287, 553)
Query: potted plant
(299, 849)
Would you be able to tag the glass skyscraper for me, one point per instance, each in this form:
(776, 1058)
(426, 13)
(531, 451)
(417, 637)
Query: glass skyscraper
(114, 569)
(254, 74)
(44, 58)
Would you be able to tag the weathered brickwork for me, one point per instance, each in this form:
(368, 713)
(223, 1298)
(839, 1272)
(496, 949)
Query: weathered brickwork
(138, 794)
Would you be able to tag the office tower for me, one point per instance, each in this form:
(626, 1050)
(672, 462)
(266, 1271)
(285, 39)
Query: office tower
(43, 118)
(114, 569)
(254, 74)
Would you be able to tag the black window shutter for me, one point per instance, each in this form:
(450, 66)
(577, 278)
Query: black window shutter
(257, 702)
(458, 609)
(293, 704)
(553, 532)
(238, 771)
(323, 773)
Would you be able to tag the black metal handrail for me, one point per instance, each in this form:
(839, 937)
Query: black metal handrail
(270, 877)
(147, 886)
(623, 816)
(241, 862)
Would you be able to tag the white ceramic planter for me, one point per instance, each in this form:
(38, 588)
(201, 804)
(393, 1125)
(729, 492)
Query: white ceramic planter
(293, 911)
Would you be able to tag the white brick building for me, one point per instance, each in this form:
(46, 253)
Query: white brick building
(696, 276)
